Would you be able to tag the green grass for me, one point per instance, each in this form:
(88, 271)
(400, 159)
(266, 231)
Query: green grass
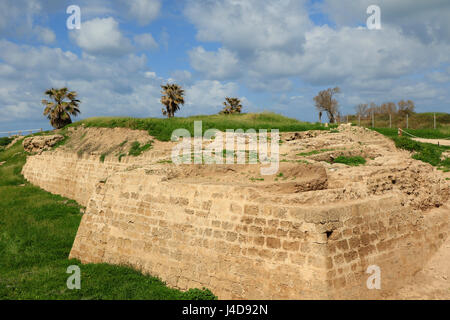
(421, 133)
(314, 152)
(426, 152)
(162, 128)
(136, 148)
(37, 230)
(416, 121)
(350, 161)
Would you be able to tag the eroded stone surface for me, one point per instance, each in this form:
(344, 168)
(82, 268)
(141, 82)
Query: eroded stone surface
(39, 144)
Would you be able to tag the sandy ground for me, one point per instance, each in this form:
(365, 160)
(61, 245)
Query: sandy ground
(432, 282)
(441, 142)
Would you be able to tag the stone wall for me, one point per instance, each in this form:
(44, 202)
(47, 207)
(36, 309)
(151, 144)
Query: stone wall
(239, 242)
(67, 174)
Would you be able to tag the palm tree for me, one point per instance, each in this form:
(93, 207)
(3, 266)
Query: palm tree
(232, 105)
(172, 98)
(59, 110)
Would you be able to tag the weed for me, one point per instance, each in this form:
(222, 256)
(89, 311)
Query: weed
(350, 161)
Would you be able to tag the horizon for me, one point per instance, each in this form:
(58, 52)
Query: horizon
(275, 56)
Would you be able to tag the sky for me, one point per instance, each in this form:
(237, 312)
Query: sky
(274, 55)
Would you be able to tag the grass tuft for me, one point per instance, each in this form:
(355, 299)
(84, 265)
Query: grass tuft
(350, 161)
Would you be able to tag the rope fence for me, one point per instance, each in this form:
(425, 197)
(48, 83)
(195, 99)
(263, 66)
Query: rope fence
(19, 132)
(403, 131)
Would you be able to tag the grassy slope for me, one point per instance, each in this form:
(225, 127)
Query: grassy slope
(37, 230)
(416, 121)
(162, 128)
(426, 152)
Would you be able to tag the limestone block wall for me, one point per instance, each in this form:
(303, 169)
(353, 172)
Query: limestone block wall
(240, 242)
(190, 235)
(67, 174)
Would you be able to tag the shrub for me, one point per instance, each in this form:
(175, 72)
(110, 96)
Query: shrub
(5, 141)
(136, 149)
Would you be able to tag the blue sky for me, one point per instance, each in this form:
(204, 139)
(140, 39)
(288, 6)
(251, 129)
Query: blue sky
(274, 55)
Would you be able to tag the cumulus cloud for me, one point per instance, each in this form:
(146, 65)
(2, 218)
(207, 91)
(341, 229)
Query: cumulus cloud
(426, 20)
(101, 36)
(222, 64)
(269, 47)
(45, 35)
(206, 96)
(123, 86)
(105, 87)
(144, 11)
(247, 25)
(17, 19)
(181, 76)
(146, 41)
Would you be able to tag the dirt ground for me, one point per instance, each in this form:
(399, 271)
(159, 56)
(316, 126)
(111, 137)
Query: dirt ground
(441, 142)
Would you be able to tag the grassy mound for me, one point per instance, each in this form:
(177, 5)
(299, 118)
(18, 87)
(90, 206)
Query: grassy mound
(37, 230)
(426, 152)
(415, 121)
(421, 133)
(162, 128)
(4, 141)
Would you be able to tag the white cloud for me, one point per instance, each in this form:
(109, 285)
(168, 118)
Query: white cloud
(144, 11)
(182, 76)
(269, 47)
(247, 25)
(206, 97)
(146, 41)
(222, 64)
(439, 77)
(150, 75)
(105, 86)
(17, 19)
(427, 20)
(101, 36)
(45, 35)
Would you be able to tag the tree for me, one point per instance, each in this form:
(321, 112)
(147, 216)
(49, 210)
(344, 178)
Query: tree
(59, 110)
(406, 107)
(388, 108)
(172, 98)
(232, 105)
(324, 101)
(362, 110)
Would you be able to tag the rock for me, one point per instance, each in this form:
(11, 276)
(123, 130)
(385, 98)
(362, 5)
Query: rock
(41, 143)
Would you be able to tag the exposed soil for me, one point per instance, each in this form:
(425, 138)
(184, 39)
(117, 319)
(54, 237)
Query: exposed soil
(442, 142)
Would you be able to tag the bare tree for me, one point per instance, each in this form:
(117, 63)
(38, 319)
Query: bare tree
(362, 110)
(324, 101)
(406, 107)
(388, 108)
